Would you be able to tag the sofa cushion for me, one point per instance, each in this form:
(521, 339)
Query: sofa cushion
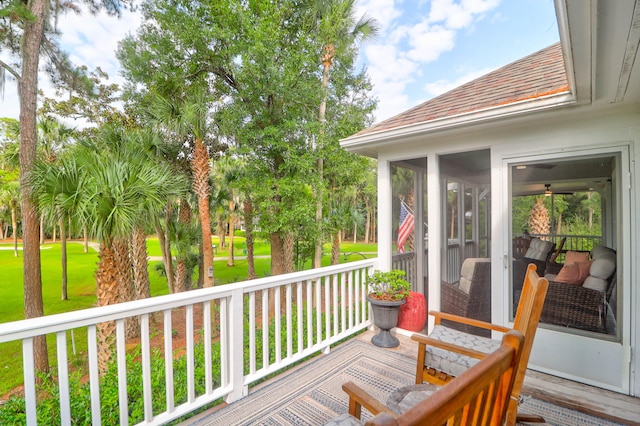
(602, 268)
(467, 270)
(454, 363)
(573, 273)
(599, 252)
(595, 284)
(539, 249)
(575, 256)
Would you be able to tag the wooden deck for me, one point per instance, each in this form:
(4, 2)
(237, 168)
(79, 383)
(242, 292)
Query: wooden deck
(587, 399)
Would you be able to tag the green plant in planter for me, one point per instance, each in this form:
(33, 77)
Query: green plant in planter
(388, 285)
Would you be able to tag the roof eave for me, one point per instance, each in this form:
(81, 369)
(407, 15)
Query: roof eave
(368, 143)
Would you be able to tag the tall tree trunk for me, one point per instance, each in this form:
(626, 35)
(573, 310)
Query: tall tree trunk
(63, 256)
(201, 270)
(289, 244)
(200, 167)
(232, 208)
(328, 51)
(184, 217)
(165, 248)
(14, 225)
(335, 249)
(85, 236)
(248, 226)
(28, 91)
(53, 236)
(42, 238)
(277, 254)
(140, 262)
(107, 293)
(222, 232)
(124, 277)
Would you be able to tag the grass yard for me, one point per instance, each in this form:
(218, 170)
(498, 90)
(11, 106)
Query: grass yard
(82, 293)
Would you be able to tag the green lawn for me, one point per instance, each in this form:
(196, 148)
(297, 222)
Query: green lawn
(82, 294)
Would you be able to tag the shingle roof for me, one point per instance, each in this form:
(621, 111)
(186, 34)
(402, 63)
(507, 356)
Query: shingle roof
(537, 75)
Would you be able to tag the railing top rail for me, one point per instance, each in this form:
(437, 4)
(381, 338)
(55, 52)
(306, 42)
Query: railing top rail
(69, 320)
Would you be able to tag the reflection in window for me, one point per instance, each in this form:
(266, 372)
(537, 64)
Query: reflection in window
(563, 216)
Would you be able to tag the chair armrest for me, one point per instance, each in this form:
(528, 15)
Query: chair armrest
(358, 398)
(425, 340)
(469, 321)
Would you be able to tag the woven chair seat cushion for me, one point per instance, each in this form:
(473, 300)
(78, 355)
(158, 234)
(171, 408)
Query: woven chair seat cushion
(404, 398)
(453, 363)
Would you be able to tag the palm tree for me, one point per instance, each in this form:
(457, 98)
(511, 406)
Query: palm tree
(338, 30)
(53, 136)
(10, 196)
(189, 119)
(9, 173)
(55, 185)
(118, 185)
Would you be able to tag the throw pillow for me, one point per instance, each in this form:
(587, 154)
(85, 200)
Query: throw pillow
(576, 256)
(573, 273)
(568, 274)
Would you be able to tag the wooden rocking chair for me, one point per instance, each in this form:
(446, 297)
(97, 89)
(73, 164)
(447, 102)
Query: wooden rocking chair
(479, 396)
(447, 353)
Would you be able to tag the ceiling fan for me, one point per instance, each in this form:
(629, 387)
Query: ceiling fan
(548, 192)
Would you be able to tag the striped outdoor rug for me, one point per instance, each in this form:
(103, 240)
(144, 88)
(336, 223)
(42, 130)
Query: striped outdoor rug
(313, 394)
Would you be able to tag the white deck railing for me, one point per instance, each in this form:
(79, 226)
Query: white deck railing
(305, 312)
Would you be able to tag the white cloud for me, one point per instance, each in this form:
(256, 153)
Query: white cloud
(384, 11)
(429, 42)
(459, 15)
(403, 49)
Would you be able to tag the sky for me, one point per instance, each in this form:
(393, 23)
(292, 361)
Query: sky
(423, 49)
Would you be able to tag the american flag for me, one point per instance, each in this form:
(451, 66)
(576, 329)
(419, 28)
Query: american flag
(405, 228)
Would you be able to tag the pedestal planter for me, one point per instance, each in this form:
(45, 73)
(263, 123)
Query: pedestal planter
(385, 317)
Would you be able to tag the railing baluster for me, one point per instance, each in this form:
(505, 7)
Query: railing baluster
(225, 351)
(278, 324)
(29, 368)
(300, 317)
(318, 295)
(146, 367)
(168, 360)
(289, 319)
(63, 378)
(344, 298)
(121, 351)
(252, 332)
(265, 328)
(94, 376)
(208, 366)
(334, 303)
(191, 392)
(327, 306)
(309, 313)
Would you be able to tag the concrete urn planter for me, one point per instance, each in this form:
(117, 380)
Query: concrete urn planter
(385, 317)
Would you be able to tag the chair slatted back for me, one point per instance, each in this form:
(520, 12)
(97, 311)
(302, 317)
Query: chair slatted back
(534, 291)
(479, 396)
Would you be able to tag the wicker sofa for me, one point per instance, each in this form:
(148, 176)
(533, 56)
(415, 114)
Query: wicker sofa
(582, 303)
